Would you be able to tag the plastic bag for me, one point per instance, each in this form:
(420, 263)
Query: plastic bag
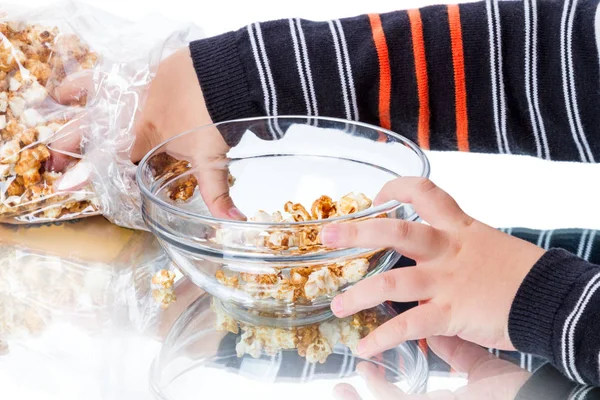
(72, 79)
(87, 274)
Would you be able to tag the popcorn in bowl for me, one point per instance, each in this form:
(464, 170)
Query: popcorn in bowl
(302, 284)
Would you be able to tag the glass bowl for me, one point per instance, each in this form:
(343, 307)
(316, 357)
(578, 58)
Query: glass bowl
(197, 360)
(273, 267)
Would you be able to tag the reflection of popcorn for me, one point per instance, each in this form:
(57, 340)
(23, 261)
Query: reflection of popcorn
(314, 342)
(256, 340)
(318, 351)
(37, 289)
(164, 294)
(224, 322)
(164, 297)
(248, 344)
(164, 278)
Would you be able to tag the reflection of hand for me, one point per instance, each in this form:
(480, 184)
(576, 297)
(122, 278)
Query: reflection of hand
(174, 104)
(488, 377)
(466, 277)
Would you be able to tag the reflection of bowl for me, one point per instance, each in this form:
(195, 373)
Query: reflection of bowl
(196, 361)
(265, 268)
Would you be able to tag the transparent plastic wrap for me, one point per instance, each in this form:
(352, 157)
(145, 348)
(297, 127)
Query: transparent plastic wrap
(88, 274)
(72, 80)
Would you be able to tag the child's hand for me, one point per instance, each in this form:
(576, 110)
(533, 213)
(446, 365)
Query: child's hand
(466, 277)
(174, 104)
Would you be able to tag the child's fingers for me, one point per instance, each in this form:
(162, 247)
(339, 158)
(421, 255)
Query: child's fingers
(401, 285)
(412, 239)
(417, 323)
(431, 203)
(214, 188)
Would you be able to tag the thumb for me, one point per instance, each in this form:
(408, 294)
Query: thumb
(214, 184)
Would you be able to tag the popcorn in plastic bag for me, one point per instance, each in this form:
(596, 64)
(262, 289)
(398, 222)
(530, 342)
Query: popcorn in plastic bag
(72, 80)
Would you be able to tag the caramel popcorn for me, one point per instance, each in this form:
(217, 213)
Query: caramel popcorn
(304, 238)
(352, 203)
(298, 284)
(297, 211)
(165, 167)
(314, 342)
(231, 280)
(323, 208)
(321, 282)
(33, 59)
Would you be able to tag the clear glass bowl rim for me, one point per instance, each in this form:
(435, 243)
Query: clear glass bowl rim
(382, 208)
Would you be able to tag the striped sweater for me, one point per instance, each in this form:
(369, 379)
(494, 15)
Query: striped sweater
(509, 77)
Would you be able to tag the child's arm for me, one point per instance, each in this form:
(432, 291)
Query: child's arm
(475, 282)
(517, 77)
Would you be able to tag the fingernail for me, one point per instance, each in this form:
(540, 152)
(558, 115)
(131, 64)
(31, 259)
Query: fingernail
(336, 306)
(330, 235)
(235, 213)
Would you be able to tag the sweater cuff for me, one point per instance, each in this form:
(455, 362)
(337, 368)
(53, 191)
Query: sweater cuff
(534, 310)
(223, 78)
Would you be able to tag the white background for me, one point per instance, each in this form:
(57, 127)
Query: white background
(502, 191)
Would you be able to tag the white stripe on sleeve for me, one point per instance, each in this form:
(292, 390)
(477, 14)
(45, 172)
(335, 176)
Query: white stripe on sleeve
(309, 77)
(348, 70)
(269, 75)
(573, 93)
(528, 76)
(340, 64)
(300, 67)
(534, 78)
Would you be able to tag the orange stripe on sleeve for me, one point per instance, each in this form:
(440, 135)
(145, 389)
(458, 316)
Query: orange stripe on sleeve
(416, 26)
(460, 87)
(385, 75)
